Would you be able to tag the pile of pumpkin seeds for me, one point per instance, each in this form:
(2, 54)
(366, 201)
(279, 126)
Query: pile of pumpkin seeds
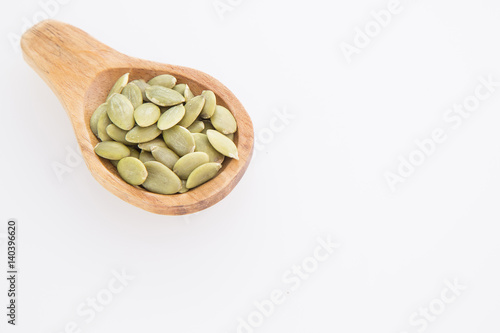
(160, 136)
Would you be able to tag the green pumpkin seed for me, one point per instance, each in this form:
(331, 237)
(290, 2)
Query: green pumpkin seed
(103, 108)
(132, 170)
(112, 150)
(202, 174)
(164, 96)
(165, 80)
(210, 103)
(197, 127)
(146, 156)
(103, 123)
(147, 114)
(193, 109)
(165, 155)
(116, 133)
(183, 189)
(208, 126)
(118, 86)
(161, 179)
(134, 152)
(230, 136)
(147, 146)
(142, 86)
(184, 90)
(187, 163)
(133, 93)
(171, 117)
(142, 134)
(223, 120)
(222, 144)
(179, 139)
(121, 112)
(203, 145)
(188, 95)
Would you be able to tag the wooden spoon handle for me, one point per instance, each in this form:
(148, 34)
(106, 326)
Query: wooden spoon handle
(67, 59)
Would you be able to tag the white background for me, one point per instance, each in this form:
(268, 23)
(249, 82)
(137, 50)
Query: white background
(321, 175)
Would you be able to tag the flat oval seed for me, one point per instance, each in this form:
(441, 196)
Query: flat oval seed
(208, 126)
(142, 86)
(202, 174)
(116, 133)
(146, 114)
(142, 134)
(94, 120)
(132, 170)
(203, 145)
(161, 179)
(187, 93)
(197, 127)
(223, 120)
(171, 117)
(118, 86)
(222, 144)
(121, 112)
(165, 80)
(210, 103)
(180, 88)
(112, 150)
(134, 152)
(193, 110)
(103, 123)
(179, 139)
(183, 189)
(146, 156)
(147, 146)
(165, 155)
(164, 96)
(133, 93)
(230, 136)
(187, 163)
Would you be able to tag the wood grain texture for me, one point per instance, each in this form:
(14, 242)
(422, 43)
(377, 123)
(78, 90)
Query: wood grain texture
(81, 71)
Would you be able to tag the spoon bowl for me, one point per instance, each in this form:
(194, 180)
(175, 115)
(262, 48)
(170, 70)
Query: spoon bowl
(81, 71)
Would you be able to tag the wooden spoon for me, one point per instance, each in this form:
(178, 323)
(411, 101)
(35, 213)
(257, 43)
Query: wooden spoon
(81, 71)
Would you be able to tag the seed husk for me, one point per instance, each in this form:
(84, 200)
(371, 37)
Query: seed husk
(202, 174)
(203, 145)
(94, 119)
(132, 170)
(161, 179)
(197, 127)
(179, 139)
(142, 134)
(147, 146)
(146, 156)
(171, 117)
(210, 103)
(103, 123)
(223, 120)
(142, 86)
(222, 144)
(134, 94)
(165, 155)
(146, 114)
(116, 133)
(112, 150)
(118, 86)
(187, 163)
(121, 112)
(193, 108)
(164, 80)
(164, 96)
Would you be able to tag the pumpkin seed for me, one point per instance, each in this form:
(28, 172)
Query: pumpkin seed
(193, 109)
(223, 120)
(142, 86)
(112, 150)
(101, 127)
(121, 112)
(161, 179)
(187, 93)
(146, 156)
(187, 163)
(230, 136)
(134, 152)
(222, 144)
(179, 139)
(165, 80)
(210, 103)
(147, 146)
(197, 127)
(146, 114)
(132, 170)
(180, 88)
(208, 125)
(164, 96)
(171, 117)
(183, 189)
(94, 119)
(118, 86)
(116, 133)
(133, 93)
(142, 134)
(203, 145)
(165, 155)
(202, 174)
